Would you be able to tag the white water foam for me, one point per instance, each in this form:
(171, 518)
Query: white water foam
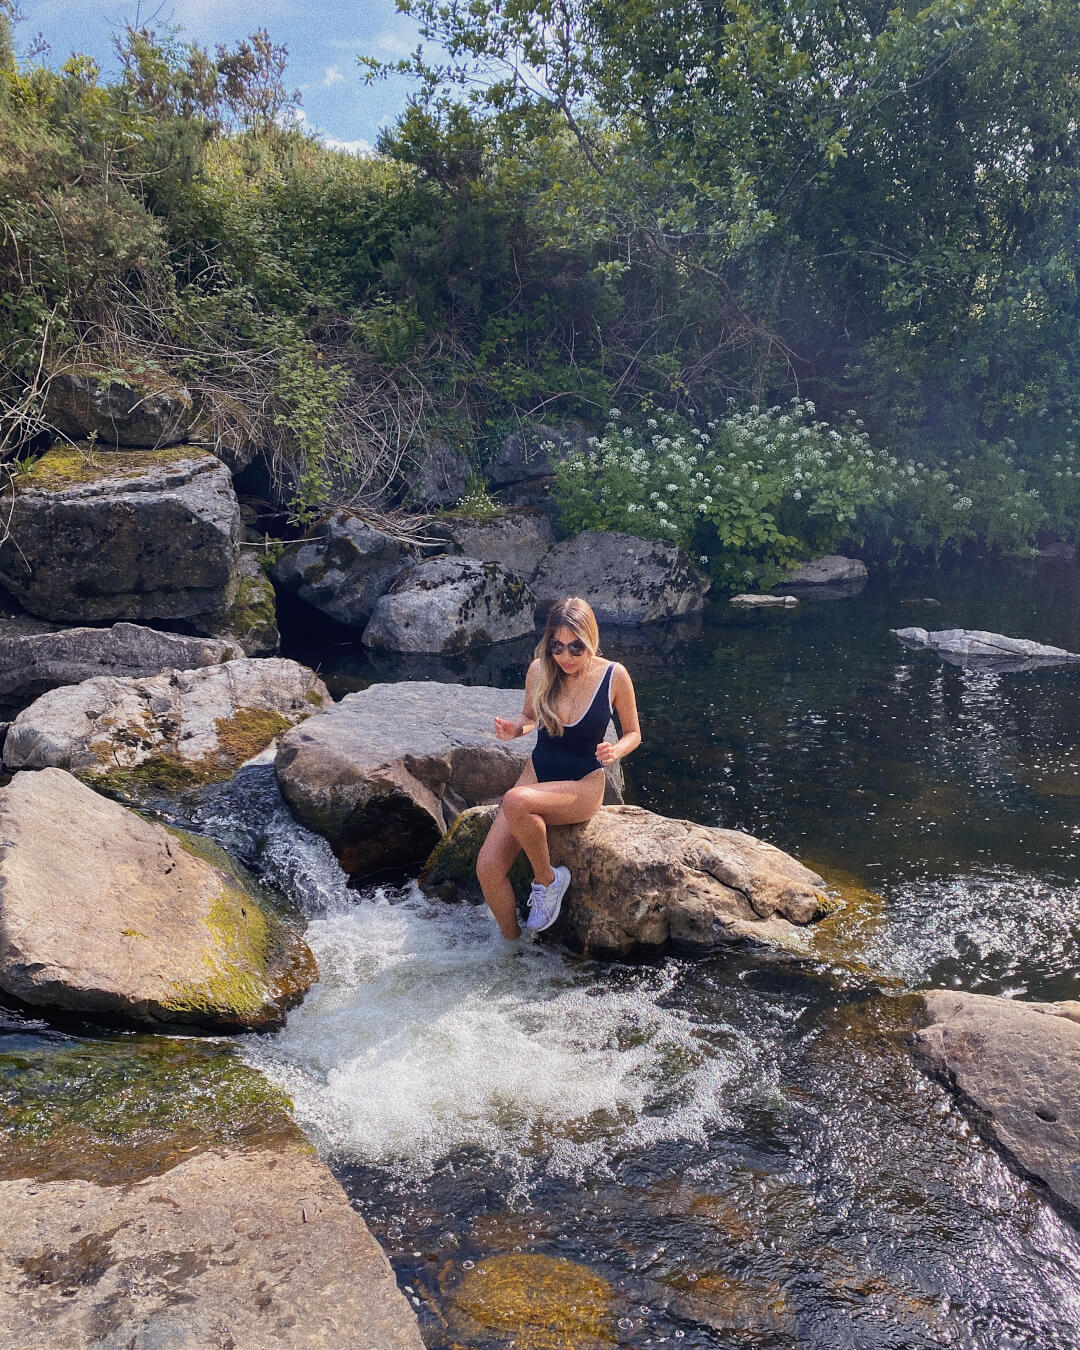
(426, 1035)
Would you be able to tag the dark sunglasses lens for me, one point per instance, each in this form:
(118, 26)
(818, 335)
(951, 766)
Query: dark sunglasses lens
(575, 648)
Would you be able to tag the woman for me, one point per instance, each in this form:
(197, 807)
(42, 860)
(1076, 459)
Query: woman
(570, 691)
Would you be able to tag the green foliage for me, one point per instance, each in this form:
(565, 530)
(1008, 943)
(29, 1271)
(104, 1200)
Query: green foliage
(309, 392)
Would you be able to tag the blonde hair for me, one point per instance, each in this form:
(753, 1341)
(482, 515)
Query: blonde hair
(575, 614)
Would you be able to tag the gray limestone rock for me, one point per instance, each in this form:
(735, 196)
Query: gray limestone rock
(250, 622)
(117, 413)
(123, 537)
(641, 882)
(244, 1248)
(764, 601)
(975, 647)
(342, 567)
(519, 539)
(383, 773)
(832, 577)
(104, 912)
(533, 452)
(449, 604)
(31, 663)
(437, 475)
(625, 579)
(184, 726)
(1016, 1067)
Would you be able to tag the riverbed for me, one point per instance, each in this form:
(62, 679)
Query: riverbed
(737, 1150)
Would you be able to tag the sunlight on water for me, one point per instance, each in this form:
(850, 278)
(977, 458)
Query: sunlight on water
(426, 1035)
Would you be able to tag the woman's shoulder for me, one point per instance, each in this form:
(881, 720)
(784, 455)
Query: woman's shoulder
(620, 676)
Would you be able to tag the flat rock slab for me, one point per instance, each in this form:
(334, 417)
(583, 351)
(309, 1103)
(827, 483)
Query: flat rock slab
(383, 773)
(1016, 1067)
(102, 911)
(976, 647)
(228, 1249)
(832, 570)
(518, 539)
(30, 663)
(184, 726)
(625, 579)
(448, 605)
(133, 536)
(748, 601)
(642, 882)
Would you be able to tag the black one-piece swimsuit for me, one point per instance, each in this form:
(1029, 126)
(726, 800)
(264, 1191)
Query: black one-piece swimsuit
(572, 755)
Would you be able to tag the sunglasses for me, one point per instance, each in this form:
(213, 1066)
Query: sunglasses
(575, 648)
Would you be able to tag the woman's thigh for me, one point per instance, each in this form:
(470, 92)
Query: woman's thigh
(563, 802)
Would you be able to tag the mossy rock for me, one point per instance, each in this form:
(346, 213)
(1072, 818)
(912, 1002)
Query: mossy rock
(543, 1302)
(450, 870)
(66, 466)
(252, 618)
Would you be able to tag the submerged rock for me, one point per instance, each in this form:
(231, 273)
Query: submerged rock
(342, 567)
(30, 663)
(450, 604)
(641, 882)
(102, 911)
(169, 731)
(383, 773)
(118, 413)
(627, 580)
(132, 536)
(1016, 1068)
(975, 647)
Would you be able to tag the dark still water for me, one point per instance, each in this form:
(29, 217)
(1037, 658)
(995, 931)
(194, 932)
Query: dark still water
(734, 1151)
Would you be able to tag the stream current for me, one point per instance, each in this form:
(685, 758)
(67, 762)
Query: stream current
(734, 1150)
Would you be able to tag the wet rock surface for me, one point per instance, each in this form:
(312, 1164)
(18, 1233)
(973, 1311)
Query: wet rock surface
(519, 540)
(747, 601)
(124, 536)
(448, 605)
(178, 728)
(1016, 1068)
(975, 647)
(383, 773)
(641, 882)
(625, 579)
(30, 663)
(116, 413)
(833, 570)
(102, 911)
(342, 567)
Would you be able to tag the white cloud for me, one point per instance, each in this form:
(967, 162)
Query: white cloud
(361, 148)
(393, 43)
(333, 76)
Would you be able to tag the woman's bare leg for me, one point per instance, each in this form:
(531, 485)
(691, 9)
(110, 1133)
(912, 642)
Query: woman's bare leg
(529, 808)
(492, 867)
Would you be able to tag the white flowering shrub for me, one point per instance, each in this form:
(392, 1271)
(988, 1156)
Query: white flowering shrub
(765, 487)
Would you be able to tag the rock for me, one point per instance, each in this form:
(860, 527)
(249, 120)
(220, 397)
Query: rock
(627, 580)
(533, 453)
(30, 663)
(437, 476)
(251, 620)
(974, 647)
(341, 567)
(764, 601)
(832, 570)
(169, 731)
(519, 539)
(383, 773)
(641, 882)
(117, 413)
(1016, 1067)
(104, 912)
(449, 604)
(136, 537)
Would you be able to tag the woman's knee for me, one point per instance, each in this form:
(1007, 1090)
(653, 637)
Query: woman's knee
(516, 802)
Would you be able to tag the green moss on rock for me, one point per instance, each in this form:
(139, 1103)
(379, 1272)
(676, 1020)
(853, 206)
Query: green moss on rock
(68, 465)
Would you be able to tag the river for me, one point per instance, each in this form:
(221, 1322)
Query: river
(736, 1150)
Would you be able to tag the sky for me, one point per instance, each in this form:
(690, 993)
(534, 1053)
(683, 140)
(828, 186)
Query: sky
(323, 38)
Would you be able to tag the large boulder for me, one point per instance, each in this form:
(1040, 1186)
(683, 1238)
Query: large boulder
(1016, 1068)
(156, 1193)
(118, 413)
(169, 731)
(533, 453)
(975, 647)
(341, 567)
(30, 663)
(449, 604)
(627, 580)
(140, 537)
(383, 773)
(832, 574)
(104, 912)
(641, 882)
(517, 539)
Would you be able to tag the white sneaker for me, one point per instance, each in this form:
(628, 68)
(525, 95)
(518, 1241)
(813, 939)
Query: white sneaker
(546, 901)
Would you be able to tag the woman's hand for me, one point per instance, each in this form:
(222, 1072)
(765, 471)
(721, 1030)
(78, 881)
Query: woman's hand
(605, 753)
(505, 730)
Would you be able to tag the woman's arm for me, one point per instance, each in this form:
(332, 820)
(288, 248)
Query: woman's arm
(507, 730)
(625, 701)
